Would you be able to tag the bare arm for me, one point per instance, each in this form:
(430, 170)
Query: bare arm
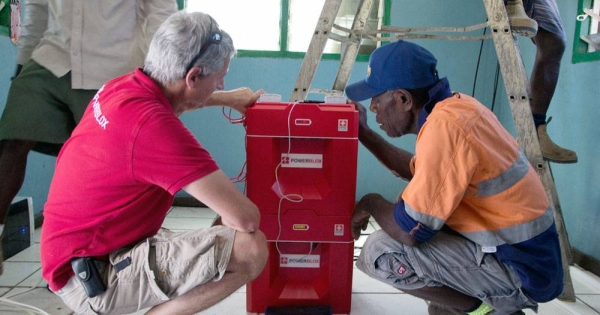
(392, 157)
(218, 193)
(383, 212)
(238, 99)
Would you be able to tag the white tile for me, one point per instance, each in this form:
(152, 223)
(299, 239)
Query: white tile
(390, 303)
(358, 244)
(584, 282)
(356, 253)
(34, 280)
(15, 272)
(29, 254)
(180, 224)
(40, 298)
(548, 308)
(234, 304)
(140, 312)
(557, 307)
(592, 300)
(37, 235)
(375, 225)
(361, 241)
(362, 283)
(191, 212)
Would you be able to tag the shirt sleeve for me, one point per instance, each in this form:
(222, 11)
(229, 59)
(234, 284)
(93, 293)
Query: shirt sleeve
(444, 164)
(410, 225)
(35, 22)
(153, 13)
(167, 154)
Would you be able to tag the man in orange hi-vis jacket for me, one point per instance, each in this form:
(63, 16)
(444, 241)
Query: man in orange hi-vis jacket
(473, 232)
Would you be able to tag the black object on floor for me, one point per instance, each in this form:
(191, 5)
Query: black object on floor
(298, 310)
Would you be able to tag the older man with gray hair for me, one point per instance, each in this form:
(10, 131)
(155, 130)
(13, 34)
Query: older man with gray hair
(102, 249)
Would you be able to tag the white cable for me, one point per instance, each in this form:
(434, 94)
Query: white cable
(28, 309)
(21, 306)
(296, 198)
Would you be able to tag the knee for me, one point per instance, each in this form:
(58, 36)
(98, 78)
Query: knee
(552, 46)
(374, 247)
(557, 49)
(254, 252)
(261, 253)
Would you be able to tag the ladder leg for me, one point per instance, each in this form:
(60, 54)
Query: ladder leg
(349, 56)
(517, 85)
(317, 45)
(315, 50)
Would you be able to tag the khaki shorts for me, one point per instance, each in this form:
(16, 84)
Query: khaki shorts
(446, 260)
(42, 108)
(162, 267)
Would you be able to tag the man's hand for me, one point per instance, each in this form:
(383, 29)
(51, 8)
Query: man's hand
(363, 126)
(360, 222)
(362, 115)
(239, 99)
(361, 215)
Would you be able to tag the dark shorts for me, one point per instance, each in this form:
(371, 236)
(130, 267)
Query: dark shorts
(43, 108)
(546, 14)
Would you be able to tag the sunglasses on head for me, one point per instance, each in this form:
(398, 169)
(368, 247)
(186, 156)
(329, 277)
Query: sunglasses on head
(215, 38)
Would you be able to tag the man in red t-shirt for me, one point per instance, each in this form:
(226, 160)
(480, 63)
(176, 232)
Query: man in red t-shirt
(116, 177)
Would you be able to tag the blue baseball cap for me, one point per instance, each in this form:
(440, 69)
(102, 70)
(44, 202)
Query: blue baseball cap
(397, 65)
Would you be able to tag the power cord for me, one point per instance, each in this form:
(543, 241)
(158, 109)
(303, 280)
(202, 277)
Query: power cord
(7, 305)
(295, 198)
(496, 77)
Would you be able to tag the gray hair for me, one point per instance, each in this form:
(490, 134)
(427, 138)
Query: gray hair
(179, 39)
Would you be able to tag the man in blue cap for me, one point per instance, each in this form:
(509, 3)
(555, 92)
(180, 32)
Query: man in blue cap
(473, 232)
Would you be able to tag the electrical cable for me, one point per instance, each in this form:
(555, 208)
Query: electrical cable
(496, 81)
(241, 177)
(478, 62)
(496, 77)
(229, 116)
(21, 307)
(295, 198)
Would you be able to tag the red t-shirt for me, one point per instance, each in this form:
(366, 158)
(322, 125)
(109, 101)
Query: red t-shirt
(116, 177)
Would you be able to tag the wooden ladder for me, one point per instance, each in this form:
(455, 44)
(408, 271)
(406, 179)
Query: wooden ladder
(513, 71)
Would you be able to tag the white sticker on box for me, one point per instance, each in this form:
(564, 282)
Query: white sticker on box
(296, 160)
(299, 261)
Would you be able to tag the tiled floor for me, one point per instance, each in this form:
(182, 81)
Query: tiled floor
(22, 283)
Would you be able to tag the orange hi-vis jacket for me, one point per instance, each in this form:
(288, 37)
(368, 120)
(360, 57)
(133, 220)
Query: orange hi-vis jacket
(469, 174)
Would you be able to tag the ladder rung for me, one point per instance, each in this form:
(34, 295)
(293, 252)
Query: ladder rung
(466, 29)
(430, 36)
(344, 39)
(326, 92)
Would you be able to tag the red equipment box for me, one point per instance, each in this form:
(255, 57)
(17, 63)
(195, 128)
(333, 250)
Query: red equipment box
(301, 173)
